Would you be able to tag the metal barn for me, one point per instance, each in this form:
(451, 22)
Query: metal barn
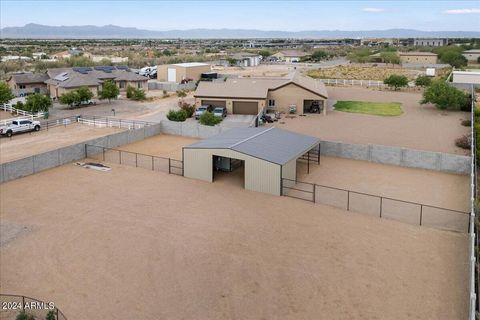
(266, 155)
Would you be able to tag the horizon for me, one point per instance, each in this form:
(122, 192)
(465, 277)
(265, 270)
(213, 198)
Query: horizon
(262, 15)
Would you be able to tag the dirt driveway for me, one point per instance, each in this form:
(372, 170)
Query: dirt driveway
(134, 244)
(27, 144)
(421, 127)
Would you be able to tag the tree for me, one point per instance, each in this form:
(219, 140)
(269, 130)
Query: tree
(231, 61)
(444, 96)
(5, 93)
(209, 119)
(454, 58)
(390, 57)
(318, 55)
(396, 81)
(423, 81)
(84, 94)
(37, 103)
(178, 115)
(265, 53)
(109, 91)
(69, 98)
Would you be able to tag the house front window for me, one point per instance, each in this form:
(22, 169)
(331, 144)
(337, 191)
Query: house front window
(271, 103)
(139, 85)
(21, 86)
(121, 84)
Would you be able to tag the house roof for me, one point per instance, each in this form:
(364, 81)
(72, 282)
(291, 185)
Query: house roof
(257, 88)
(270, 144)
(294, 53)
(243, 55)
(416, 53)
(72, 78)
(26, 78)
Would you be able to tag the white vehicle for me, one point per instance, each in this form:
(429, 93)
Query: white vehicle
(146, 71)
(18, 126)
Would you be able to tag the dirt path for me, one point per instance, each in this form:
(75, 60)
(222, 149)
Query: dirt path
(133, 244)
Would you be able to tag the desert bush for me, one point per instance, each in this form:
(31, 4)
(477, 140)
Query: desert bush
(208, 119)
(463, 142)
(177, 115)
(135, 94)
(423, 81)
(466, 123)
(189, 109)
(396, 81)
(444, 96)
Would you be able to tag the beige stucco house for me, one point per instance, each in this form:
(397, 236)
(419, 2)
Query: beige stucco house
(472, 55)
(253, 95)
(418, 57)
(182, 71)
(291, 56)
(23, 84)
(62, 80)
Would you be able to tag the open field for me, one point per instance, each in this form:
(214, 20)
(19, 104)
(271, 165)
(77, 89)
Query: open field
(428, 187)
(373, 108)
(421, 127)
(28, 144)
(160, 145)
(132, 244)
(362, 72)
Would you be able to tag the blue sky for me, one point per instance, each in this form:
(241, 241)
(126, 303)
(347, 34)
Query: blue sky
(264, 15)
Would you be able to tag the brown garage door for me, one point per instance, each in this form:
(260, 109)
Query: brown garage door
(214, 103)
(245, 107)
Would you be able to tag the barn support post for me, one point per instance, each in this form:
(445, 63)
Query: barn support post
(318, 155)
(308, 161)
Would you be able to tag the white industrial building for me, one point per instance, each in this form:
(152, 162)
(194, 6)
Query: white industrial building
(262, 157)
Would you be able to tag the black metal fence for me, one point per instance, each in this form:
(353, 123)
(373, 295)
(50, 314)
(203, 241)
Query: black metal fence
(383, 207)
(134, 159)
(12, 305)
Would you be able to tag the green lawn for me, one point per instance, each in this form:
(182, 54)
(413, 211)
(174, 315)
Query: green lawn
(374, 108)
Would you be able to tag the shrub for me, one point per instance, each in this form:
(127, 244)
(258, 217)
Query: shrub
(423, 81)
(396, 81)
(135, 94)
(5, 93)
(463, 142)
(165, 93)
(189, 109)
(466, 123)
(177, 115)
(37, 102)
(24, 316)
(208, 119)
(50, 315)
(20, 105)
(444, 96)
(181, 93)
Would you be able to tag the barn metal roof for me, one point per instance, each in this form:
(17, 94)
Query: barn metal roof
(271, 144)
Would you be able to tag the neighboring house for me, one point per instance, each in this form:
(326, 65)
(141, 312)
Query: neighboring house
(246, 59)
(253, 95)
(430, 42)
(472, 55)
(182, 71)
(62, 80)
(23, 84)
(62, 55)
(291, 56)
(38, 55)
(112, 59)
(423, 58)
(15, 58)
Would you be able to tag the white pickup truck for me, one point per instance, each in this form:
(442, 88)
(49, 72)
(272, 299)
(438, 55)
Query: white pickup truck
(17, 126)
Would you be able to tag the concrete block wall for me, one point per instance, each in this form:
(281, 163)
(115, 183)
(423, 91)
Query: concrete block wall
(54, 158)
(190, 129)
(404, 157)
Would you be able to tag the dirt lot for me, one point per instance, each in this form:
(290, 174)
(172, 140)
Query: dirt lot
(420, 127)
(161, 145)
(422, 186)
(132, 244)
(5, 115)
(25, 145)
(363, 72)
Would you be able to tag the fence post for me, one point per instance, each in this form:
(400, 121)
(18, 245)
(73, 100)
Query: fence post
(421, 214)
(23, 303)
(136, 160)
(103, 149)
(120, 156)
(314, 192)
(381, 205)
(348, 200)
(281, 186)
(86, 153)
(169, 169)
(152, 164)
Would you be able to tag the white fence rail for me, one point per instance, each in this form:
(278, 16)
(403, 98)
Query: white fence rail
(472, 232)
(23, 114)
(352, 82)
(102, 122)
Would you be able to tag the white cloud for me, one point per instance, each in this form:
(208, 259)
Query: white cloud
(462, 11)
(373, 10)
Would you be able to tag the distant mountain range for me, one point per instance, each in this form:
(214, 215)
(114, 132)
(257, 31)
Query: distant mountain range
(38, 31)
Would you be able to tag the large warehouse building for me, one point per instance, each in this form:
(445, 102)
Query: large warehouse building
(264, 155)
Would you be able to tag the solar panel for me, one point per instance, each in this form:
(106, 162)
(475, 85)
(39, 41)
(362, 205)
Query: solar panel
(62, 76)
(122, 68)
(83, 70)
